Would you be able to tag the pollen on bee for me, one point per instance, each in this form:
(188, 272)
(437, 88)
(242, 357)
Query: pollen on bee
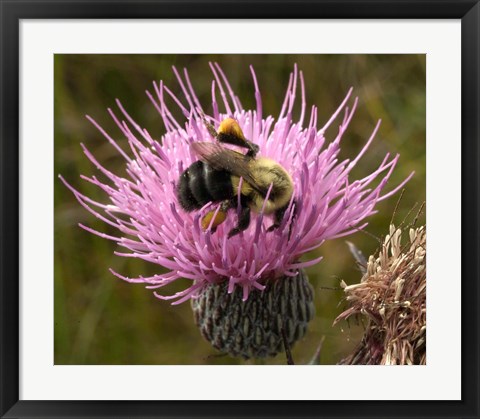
(219, 219)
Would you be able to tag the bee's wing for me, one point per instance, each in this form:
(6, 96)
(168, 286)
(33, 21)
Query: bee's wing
(221, 158)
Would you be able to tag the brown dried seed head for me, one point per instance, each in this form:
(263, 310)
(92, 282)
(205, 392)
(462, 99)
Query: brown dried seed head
(392, 296)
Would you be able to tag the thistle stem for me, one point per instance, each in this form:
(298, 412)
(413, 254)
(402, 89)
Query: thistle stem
(288, 352)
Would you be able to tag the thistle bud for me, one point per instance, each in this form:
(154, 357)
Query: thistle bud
(253, 328)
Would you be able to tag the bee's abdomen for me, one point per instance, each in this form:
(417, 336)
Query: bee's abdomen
(200, 184)
(219, 183)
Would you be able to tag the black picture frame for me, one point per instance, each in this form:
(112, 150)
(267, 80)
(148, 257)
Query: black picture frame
(13, 11)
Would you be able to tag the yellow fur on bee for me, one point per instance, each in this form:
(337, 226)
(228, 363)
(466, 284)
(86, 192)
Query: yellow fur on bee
(230, 126)
(246, 187)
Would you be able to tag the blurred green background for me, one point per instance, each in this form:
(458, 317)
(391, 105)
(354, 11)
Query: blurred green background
(100, 319)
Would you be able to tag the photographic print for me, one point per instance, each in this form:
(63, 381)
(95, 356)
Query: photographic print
(240, 209)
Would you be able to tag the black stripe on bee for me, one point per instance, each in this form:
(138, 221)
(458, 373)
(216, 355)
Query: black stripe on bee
(200, 184)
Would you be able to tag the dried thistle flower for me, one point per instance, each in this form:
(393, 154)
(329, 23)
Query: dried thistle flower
(143, 205)
(392, 297)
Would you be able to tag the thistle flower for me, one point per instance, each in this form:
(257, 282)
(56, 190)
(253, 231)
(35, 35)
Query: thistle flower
(392, 297)
(144, 205)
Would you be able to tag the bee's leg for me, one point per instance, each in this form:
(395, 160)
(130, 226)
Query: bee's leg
(253, 149)
(210, 128)
(279, 214)
(226, 205)
(243, 221)
(277, 219)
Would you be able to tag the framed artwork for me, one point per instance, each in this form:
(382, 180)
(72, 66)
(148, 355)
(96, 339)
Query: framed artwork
(204, 203)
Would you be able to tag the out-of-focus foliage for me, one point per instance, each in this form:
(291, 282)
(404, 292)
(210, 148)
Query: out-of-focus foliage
(100, 319)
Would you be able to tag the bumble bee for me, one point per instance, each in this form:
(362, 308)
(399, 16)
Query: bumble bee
(216, 178)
